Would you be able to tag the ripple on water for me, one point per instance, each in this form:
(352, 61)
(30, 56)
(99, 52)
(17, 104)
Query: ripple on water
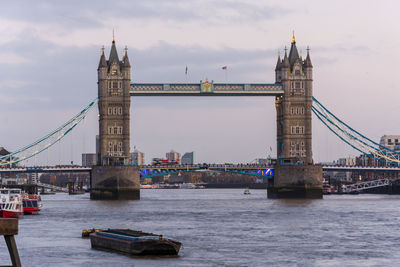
(219, 227)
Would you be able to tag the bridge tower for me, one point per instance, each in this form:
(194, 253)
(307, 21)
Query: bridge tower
(295, 172)
(113, 178)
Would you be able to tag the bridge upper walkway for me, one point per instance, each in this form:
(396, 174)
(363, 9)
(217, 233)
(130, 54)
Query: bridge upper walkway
(205, 89)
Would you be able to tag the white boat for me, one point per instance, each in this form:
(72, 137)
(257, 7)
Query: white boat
(246, 191)
(11, 203)
(187, 186)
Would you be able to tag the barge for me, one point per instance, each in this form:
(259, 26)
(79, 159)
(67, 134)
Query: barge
(134, 242)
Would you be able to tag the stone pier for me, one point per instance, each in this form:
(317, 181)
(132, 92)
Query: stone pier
(115, 183)
(297, 181)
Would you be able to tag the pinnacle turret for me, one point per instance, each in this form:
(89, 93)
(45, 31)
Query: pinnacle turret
(285, 63)
(125, 59)
(103, 62)
(307, 62)
(278, 63)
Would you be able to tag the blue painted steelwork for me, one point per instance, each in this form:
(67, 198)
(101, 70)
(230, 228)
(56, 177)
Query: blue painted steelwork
(153, 171)
(53, 137)
(353, 138)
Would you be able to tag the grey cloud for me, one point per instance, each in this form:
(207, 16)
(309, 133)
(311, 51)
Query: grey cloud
(90, 14)
(67, 76)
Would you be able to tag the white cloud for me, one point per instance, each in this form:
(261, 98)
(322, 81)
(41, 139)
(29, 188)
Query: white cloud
(13, 84)
(12, 58)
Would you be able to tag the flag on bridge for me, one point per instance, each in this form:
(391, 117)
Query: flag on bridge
(186, 70)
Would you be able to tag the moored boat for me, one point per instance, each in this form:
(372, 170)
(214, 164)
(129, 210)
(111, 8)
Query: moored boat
(11, 203)
(134, 242)
(30, 205)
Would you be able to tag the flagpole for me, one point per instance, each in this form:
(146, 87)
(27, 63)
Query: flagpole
(225, 68)
(186, 73)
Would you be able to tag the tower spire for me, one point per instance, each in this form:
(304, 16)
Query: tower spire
(293, 39)
(308, 59)
(113, 37)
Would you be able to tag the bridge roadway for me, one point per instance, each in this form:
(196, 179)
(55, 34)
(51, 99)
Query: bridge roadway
(195, 167)
(147, 171)
(46, 169)
(361, 168)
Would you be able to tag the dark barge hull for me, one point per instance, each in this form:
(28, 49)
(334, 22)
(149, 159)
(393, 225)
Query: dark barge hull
(139, 248)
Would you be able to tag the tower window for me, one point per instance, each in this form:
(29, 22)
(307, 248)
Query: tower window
(297, 73)
(297, 129)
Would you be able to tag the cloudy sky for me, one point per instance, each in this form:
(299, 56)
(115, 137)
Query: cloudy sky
(49, 52)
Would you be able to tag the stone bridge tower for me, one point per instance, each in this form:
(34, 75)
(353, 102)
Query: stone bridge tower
(114, 104)
(295, 173)
(113, 178)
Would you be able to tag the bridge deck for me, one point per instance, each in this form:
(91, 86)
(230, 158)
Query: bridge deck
(205, 89)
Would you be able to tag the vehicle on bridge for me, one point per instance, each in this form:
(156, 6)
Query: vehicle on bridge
(164, 162)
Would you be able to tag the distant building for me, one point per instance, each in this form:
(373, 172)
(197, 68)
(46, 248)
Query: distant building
(391, 141)
(173, 156)
(188, 158)
(33, 178)
(346, 161)
(137, 158)
(369, 160)
(3, 151)
(262, 161)
(89, 159)
(14, 179)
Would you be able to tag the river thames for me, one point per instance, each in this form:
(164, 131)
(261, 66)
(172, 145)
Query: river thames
(218, 227)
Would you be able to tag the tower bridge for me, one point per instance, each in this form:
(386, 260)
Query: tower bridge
(295, 174)
(292, 90)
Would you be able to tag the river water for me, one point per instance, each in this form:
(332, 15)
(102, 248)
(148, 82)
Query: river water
(218, 227)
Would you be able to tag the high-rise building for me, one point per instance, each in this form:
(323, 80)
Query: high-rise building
(188, 158)
(173, 156)
(137, 158)
(89, 159)
(391, 141)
